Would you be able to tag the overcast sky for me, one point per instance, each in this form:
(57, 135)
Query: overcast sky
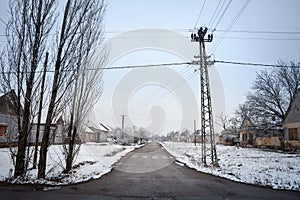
(181, 16)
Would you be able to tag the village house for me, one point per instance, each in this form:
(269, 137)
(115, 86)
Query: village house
(94, 133)
(259, 137)
(184, 136)
(246, 132)
(9, 123)
(57, 135)
(173, 136)
(291, 122)
(8, 118)
(229, 137)
(196, 137)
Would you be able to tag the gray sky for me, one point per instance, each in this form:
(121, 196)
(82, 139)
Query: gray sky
(181, 16)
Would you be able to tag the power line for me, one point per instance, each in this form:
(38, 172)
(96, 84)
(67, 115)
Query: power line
(259, 38)
(200, 13)
(114, 67)
(213, 16)
(242, 9)
(256, 64)
(163, 93)
(218, 11)
(165, 64)
(169, 82)
(262, 32)
(223, 14)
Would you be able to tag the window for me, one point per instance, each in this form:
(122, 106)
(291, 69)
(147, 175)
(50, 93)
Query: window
(293, 134)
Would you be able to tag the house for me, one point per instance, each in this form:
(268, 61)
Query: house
(100, 133)
(291, 122)
(56, 132)
(196, 137)
(9, 117)
(173, 136)
(94, 133)
(246, 132)
(259, 137)
(229, 137)
(87, 135)
(9, 123)
(184, 136)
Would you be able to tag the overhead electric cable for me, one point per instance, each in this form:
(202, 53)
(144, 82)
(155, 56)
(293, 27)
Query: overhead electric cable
(256, 64)
(218, 12)
(213, 16)
(200, 13)
(113, 67)
(222, 14)
(263, 32)
(242, 9)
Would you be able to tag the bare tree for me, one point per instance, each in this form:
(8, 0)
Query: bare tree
(27, 32)
(271, 95)
(88, 84)
(73, 35)
(223, 121)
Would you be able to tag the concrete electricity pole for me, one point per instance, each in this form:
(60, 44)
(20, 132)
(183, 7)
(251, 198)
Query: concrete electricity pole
(123, 116)
(207, 128)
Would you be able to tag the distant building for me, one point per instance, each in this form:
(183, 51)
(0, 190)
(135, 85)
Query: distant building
(173, 136)
(291, 123)
(184, 136)
(93, 132)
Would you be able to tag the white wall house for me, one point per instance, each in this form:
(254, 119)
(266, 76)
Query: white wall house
(291, 123)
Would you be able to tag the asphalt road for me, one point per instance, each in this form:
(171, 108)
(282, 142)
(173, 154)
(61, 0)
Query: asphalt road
(150, 173)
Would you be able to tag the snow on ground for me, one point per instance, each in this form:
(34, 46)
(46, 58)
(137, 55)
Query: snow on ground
(93, 161)
(248, 165)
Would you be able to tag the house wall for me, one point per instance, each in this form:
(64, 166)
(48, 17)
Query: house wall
(246, 137)
(101, 136)
(286, 133)
(268, 141)
(11, 130)
(88, 137)
(56, 134)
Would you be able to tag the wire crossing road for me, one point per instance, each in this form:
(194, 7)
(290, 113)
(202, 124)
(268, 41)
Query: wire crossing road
(151, 173)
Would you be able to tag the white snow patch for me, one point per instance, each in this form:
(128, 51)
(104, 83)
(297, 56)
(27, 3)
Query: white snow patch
(248, 165)
(93, 161)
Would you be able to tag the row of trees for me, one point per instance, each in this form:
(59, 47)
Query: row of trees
(270, 96)
(45, 45)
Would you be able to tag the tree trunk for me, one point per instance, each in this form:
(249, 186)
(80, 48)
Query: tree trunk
(69, 160)
(40, 114)
(55, 87)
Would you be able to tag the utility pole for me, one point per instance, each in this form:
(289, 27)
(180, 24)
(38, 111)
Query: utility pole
(207, 128)
(123, 116)
(195, 132)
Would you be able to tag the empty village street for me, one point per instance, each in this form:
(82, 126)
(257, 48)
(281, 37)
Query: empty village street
(150, 173)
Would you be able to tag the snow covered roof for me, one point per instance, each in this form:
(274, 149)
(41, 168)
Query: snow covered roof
(88, 130)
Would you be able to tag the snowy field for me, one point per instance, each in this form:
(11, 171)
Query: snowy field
(93, 161)
(248, 165)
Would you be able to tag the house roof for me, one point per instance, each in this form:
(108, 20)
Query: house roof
(97, 127)
(246, 124)
(88, 130)
(293, 113)
(8, 103)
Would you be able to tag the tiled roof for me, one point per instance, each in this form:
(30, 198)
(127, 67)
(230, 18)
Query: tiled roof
(8, 103)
